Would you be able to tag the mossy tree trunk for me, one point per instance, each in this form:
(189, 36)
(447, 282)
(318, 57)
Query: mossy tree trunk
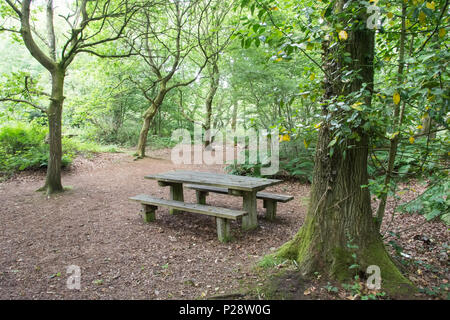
(339, 211)
(148, 118)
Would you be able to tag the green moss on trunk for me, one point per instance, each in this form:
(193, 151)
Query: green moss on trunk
(335, 263)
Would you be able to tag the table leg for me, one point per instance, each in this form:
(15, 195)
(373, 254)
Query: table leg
(148, 212)
(176, 193)
(201, 196)
(223, 229)
(249, 221)
(271, 209)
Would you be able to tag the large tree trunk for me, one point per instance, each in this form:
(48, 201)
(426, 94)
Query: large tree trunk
(339, 212)
(53, 180)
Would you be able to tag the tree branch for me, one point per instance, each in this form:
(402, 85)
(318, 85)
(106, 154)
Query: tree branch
(14, 8)
(27, 37)
(44, 110)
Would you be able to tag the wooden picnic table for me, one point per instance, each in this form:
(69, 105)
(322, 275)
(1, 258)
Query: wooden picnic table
(247, 187)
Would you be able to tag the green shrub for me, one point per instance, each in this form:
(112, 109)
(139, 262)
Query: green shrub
(247, 168)
(23, 147)
(156, 142)
(300, 167)
(73, 146)
(433, 203)
(296, 161)
(17, 138)
(127, 135)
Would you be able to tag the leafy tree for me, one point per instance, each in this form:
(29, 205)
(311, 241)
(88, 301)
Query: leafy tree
(165, 39)
(86, 29)
(339, 211)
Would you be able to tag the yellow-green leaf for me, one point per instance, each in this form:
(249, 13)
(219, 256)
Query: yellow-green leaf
(305, 143)
(343, 35)
(431, 5)
(422, 17)
(356, 106)
(396, 98)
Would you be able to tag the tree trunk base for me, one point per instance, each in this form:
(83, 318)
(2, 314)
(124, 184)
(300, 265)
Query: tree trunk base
(335, 262)
(49, 191)
(138, 157)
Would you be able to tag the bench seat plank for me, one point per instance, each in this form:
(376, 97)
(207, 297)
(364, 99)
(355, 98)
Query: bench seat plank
(260, 195)
(190, 207)
(273, 196)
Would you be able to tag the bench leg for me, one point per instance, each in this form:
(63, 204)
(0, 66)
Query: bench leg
(201, 196)
(223, 229)
(148, 213)
(176, 193)
(250, 220)
(271, 209)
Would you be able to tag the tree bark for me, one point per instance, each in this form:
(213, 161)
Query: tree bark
(53, 179)
(148, 118)
(234, 115)
(214, 85)
(339, 213)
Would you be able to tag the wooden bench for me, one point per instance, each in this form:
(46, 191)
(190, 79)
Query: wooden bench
(223, 215)
(270, 199)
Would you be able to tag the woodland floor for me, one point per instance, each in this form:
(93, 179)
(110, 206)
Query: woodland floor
(94, 226)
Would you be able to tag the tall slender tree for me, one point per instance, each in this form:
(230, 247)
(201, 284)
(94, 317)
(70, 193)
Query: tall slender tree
(165, 44)
(88, 26)
(213, 24)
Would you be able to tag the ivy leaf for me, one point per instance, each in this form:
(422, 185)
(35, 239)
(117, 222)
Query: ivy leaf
(332, 143)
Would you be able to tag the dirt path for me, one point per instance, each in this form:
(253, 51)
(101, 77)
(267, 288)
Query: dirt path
(95, 227)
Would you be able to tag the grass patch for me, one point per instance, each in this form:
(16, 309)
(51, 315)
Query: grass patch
(270, 261)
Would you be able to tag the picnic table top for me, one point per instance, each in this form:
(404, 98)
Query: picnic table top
(215, 179)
